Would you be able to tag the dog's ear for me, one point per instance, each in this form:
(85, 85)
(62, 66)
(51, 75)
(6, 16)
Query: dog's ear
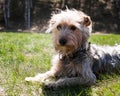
(50, 27)
(87, 21)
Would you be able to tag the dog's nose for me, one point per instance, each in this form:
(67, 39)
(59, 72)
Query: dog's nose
(62, 41)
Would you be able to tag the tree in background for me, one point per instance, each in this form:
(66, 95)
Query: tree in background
(26, 14)
(28, 6)
(13, 6)
(6, 12)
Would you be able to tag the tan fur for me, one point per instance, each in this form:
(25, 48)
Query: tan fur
(68, 70)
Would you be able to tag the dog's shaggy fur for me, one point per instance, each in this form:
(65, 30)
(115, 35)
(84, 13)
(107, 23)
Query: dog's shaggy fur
(78, 61)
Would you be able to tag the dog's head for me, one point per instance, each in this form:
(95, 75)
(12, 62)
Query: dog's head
(71, 29)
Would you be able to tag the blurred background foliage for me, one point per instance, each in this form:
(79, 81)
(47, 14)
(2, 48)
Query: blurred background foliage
(33, 15)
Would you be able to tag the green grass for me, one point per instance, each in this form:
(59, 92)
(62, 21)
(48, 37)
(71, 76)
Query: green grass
(105, 39)
(26, 54)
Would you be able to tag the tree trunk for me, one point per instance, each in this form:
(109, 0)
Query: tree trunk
(28, 6)
(6, 12)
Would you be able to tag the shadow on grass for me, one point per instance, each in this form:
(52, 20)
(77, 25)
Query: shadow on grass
(69, 91)
(80, 90)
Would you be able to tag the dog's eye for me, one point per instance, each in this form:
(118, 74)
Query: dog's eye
(73, 28)
(59, 27)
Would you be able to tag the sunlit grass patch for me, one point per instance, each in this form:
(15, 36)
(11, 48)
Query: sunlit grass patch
(26, 54)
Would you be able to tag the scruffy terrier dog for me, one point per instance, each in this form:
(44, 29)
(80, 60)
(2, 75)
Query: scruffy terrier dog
(78, 62)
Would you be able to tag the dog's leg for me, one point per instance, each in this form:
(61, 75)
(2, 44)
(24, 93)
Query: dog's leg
(40, 77)
(71, 82)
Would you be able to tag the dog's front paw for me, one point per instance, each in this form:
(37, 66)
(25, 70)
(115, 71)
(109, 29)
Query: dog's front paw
(34, 79)
(29, 79)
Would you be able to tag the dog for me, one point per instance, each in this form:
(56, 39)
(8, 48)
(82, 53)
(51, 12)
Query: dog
(78, 62)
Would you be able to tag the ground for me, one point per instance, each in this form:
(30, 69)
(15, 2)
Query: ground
(26, 54)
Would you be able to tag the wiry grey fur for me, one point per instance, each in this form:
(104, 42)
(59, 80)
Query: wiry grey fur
(77, 62)
(97, 59)
(105, 58)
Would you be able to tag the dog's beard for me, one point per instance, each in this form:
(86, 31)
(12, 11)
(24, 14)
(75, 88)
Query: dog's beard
(65, 50)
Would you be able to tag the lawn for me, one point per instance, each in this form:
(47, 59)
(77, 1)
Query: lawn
(26, 54)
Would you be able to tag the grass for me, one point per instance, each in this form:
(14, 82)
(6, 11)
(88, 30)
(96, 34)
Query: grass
(26, 54)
